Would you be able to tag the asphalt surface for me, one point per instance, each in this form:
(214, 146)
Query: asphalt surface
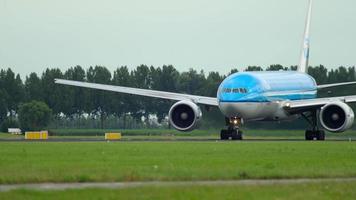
(121, 185)
(131, 139)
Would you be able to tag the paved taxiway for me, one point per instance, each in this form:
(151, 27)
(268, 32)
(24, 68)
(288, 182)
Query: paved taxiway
(118, 185)
(165, 140)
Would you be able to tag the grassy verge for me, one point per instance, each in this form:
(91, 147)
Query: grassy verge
(291, 191)
(140, 161)
(8, 135)
(130, 132)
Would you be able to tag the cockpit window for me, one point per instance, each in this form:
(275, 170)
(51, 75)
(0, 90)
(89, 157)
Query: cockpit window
(227, 90)
(235, 90)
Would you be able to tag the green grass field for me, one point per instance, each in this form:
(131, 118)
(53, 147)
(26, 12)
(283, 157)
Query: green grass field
(7, 136)
(38, 162)
(143, 161)
(313, 191)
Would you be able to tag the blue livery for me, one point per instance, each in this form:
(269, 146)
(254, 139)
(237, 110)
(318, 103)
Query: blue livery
(267, 86)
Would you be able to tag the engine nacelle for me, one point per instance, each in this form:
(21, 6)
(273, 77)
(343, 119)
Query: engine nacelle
(336, 117)
(184, 115)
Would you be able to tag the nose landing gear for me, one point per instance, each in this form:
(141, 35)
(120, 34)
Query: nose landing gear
(233, 134)
(232, 131)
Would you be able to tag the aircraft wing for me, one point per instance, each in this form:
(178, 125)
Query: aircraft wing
(301, 105)
(335, 85)
(143, 92)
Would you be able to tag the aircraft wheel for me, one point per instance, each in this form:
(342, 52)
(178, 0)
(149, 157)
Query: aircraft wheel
(236, 135)
(309, 135)
(320, 135)
(224, 134)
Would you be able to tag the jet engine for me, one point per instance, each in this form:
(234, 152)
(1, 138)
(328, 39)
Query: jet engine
(336, 117)
(184, 115)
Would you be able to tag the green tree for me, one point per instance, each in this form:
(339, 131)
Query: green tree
(253, 68)
(319, 73)
(192, 82)
(213, 80)
(233, 71)
(34, 115)
(33, 88)
(3, 105)
(293, 68)
(9, 123)
(164, 79)
(13, 86)
(100, 102)
(53, 94)
(276, 68)
(122, 102)
(141, 79)
(3, 97)
(341, 74)
(76, 97)
(352, 73)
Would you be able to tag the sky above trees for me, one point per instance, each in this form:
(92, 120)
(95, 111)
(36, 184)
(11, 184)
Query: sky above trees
(200, 34)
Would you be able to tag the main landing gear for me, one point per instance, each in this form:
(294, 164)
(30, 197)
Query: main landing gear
(314, 133)
(232, 131)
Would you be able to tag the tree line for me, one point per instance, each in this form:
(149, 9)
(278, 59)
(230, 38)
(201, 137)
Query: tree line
(72, 103)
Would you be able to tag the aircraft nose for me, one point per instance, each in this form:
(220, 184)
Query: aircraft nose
(229, 109)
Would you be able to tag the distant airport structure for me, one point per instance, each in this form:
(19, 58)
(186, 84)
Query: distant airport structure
(14, 131)
(257, 96)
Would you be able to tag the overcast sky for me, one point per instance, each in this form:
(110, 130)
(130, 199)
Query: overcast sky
(201, 34)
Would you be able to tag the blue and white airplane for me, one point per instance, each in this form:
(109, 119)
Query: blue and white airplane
(257, 96)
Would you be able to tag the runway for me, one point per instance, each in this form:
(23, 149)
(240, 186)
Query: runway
(175, 139)
(122, 185)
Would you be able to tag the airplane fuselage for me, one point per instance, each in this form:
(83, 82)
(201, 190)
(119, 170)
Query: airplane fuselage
(257, 95)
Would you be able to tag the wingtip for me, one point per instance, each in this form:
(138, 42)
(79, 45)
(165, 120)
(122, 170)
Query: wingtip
(57, 80)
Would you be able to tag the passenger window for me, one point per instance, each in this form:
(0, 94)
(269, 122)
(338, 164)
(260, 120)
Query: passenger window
(236, 90)
(241, 90)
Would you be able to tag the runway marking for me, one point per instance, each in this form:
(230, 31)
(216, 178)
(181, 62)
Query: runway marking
(122, 185)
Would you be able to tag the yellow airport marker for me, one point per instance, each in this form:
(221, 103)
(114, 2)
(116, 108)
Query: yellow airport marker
(36, 135)
(113, 136)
